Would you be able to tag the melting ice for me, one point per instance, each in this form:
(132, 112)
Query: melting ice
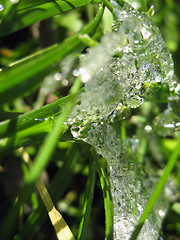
(127, 63)
(118, 74)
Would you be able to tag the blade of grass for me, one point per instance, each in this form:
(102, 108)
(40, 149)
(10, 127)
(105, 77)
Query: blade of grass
(157, 191)
(61, 228)
(17, 79)
(41, 161)
(110, 7)
(49, 144)
(29, 127)
(45, 153)
(108, 205)
(29, 12)
(20, 122)
(6, 7)
(57, 189)
(83, 227)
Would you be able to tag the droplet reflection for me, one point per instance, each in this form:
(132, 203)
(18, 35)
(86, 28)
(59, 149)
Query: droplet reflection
(1, 7)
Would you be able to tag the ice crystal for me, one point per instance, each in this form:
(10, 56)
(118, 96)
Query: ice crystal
(119, 74)
(167, 123)
(130, 186)
(124, 68)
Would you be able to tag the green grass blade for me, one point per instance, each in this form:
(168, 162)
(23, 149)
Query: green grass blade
(41, 160)
(49, 144)
(108, 205)
(83, 227)
(29, 12)
(17, 79)
(6, 7)
(25, 128)
(157, 191)
(18, 122)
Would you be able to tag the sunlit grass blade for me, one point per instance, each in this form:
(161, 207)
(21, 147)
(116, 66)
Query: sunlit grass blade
(64, 175)
(18, 79)
(29, 12)
(157, 191)
(61, 228)
(108, 205)
(83, 227)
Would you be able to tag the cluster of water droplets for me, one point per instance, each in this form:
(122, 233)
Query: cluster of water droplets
(119, 74)
(131, 187)
(121, 71)
(167, 123)
(11, 1)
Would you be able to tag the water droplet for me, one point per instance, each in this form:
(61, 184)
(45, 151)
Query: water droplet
(14, 1)
(39, 119)
(148, 128)
(1, 7)
(128, 62)
(167, 123)
(76, 73)
(146, 34)
(162, 213)
(58, 76)
(85, 76)
(117, 74)
(65, 82)
(151, 11)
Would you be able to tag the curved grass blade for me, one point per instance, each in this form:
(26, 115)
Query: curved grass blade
(49, 144)
(19, 122)
(83, 227)
(157, 191)
(17, 79)
(42, 159)
(108, 205)
(29, 12)
(29, 127)
(5, 9)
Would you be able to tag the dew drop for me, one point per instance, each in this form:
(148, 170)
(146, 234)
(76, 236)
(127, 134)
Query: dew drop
(1, 7)
(76, 73)
(65, 82)
(148, 128)
(117, 74)
(39, 119)
(58, 76)
(14, 1)
(85, 76)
